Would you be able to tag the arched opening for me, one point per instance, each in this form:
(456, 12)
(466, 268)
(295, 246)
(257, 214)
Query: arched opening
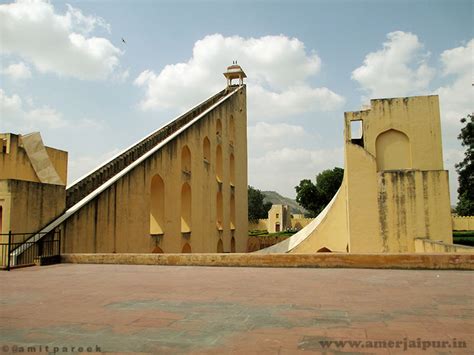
(186, 159)
(206, 150)
(186, 208)
(393, 151)
(157, 250)
(324, 250)
(186, 249)
(277, 227)
(220, 246)
(157, 205)
(232, 169)
(232, 245)
(219, 163)
(231, 130)
(220, 211)
(218, 127)
(232, 212)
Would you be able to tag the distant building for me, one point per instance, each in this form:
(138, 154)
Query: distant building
(279, 219)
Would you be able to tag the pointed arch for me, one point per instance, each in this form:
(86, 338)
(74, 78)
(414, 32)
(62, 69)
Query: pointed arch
(219, 163)
(157, 205)
(186, 159)
(218, 127)
(206, 149)
(392, 151)
(220, 211)
(157, 250)
(220, 246)
(231, 130)
(232, 169)
(186, 208)
(232, 212)
(186, 249)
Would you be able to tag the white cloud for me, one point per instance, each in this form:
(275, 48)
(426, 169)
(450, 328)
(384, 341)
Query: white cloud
(23, 116)
(57, 43)
(265, 104)
(277, 67)
(17, 118)
(398, 69)
(265, 136)
(283, 169)
(457, 99)
(17, 71)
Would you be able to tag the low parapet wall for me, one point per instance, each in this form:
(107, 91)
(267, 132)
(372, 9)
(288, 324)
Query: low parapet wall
(431, 246)
(320, 260)
(463, 223)
(259, 225)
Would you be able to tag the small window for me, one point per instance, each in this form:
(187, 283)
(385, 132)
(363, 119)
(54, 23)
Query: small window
(277, 215)
(357, 133)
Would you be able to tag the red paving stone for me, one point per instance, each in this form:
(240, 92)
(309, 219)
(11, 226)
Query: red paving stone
(206, 310)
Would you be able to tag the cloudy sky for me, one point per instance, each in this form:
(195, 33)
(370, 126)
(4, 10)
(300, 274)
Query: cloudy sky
(66, 72)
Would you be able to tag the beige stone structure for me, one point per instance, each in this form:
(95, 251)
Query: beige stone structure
(463, 223)
(394, 190)
(279, 219)
(278, 216)
(181, 189)
(32, 183)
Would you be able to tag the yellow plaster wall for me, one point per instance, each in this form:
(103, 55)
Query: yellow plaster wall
(394, 188)
(332, 232)
(28, 206)
(389, 202)
(118, 220)
(432, 246)
(463, 223)
(15, 164)
(260, 225)
(417, 117)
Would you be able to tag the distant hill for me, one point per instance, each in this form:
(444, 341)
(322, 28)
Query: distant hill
(276, 199)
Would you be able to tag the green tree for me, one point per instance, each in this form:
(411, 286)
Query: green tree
(314, 197)
(257, 208)
(465, 169)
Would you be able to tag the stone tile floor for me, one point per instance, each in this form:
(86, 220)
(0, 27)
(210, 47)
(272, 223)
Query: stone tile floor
(201, 310)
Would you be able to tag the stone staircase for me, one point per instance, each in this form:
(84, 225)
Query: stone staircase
(83, 187)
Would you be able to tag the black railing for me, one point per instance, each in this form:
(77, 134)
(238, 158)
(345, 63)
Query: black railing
(16, 250)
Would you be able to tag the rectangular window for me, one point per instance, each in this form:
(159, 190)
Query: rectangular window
(357, 133)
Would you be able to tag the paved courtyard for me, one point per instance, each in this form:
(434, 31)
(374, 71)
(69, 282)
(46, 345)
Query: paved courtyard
(169, 310)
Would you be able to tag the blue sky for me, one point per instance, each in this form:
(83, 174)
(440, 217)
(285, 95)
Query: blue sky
(66, 73)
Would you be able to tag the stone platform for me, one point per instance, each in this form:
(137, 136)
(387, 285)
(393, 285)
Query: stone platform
(222, 310)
